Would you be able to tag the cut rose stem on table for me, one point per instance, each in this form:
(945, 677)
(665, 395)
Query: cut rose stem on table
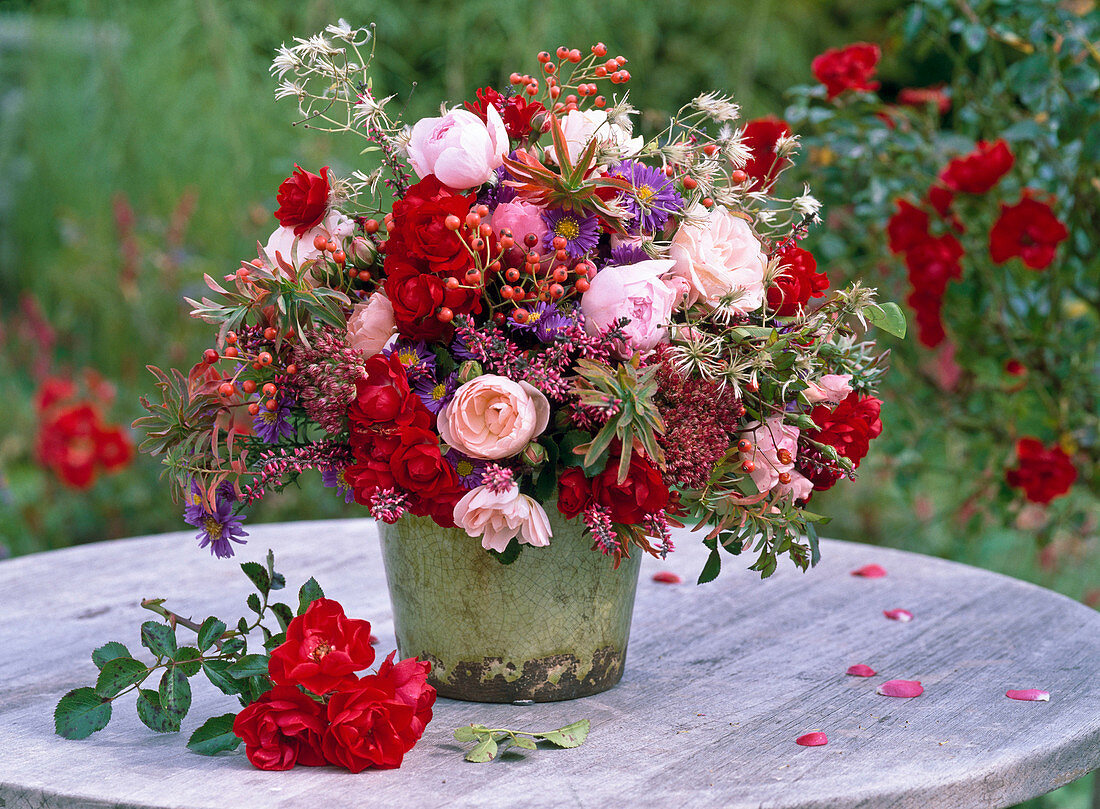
(1029, 695)
(870, 572)
(906, 689)
(860, 670)
(815, 739)
(898, 615)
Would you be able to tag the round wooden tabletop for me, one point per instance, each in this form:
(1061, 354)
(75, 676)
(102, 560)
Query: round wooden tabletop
(720, 681)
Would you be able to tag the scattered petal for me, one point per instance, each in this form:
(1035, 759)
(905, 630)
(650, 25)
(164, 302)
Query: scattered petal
(870, 572)
(898, 615)
(861, 670)
(1029, 695)
(815, 739)
(901, 688)
(667, 577)
(374, 640)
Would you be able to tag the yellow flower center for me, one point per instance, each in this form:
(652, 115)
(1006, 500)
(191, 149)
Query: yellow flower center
(439, 391)
(464, 468)
(213, 528)
(568, 228)
(644, 194)
(408, 357)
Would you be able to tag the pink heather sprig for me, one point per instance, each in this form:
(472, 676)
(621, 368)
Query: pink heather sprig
(274, 465)
(388, 505)
(325, 382)
(498, 479)
(656, 525)
(597, 519)
(592, 417)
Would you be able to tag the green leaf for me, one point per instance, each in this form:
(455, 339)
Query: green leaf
(80, 713)
(249, 666)
(526, 742)
(118, 674)
(569, 736)
(975, 36)
(253, 602)
(258, 576)
(209, 633)
(217, 672)
(815, 546)
(214, 736)
(485, 750)
(310, 592)
(510, 552)
(888, 317)
(283, 614)
(274, 642)
(189, 659)
(175, 693)
(152, 713)
(158, 639)
(466, 733)
(107, 652)
(711, 568)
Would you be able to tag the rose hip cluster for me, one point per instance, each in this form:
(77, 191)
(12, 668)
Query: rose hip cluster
(320, 712)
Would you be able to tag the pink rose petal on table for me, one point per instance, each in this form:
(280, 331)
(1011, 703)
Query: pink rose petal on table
(815, 739)
(667, 577)
(1029, 695)
(906, 689)
(898, 615)
(860, 670)
(374, 640)
(870, 572)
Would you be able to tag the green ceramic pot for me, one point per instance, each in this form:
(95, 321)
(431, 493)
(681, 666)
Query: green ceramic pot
(552, 625)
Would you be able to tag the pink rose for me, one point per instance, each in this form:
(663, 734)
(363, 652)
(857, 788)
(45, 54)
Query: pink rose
(459, 149)
(371, 324)
(580, 127)
(718, 258)
(799, 488)
(774, 449)
(635, 291)
(499, 517)
(519, 217)
(335, 226)
(493, 417)
(832, 388)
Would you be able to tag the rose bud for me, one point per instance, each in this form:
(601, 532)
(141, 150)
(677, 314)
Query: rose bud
(362, 252)
(471, 369)
(534, 454)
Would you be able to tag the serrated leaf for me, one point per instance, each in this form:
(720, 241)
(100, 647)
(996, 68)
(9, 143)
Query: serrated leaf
(175, 693)
(152, 713)
(216, 672)
(233, 646)
(274, 642)
(209, 633)
(249, 666)
(242, 626)
(309, 592)
(278, 581)
(118, 674)
(189, 659)
(214, 736)
(569, 736)
(107, 652)
(158, 639)
(888, 317)
(257, 575)
(253, 602)
(485, 750)
(526, 742)
(466, 733)
(712, 568)
(80, 713)
(283, 614)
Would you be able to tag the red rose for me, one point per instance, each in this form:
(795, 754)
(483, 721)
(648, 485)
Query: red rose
(419, 228)
(323, 649)
(848, 428)
(516, 112)
(74, 444)
(303, 200)
(927, 306)
(416, 298)
(933, 262)
(370, 726)
(53, 390)
(1043, 473)
(941, 199)
(113, 448)
(980, 170)
(923, 96)
(848, 68)
(907, 227)
(282, 728)
(409, 679)
(1029, 229)
(574, 492)
(643, 492)
(383, 394)
(799, 282)
(419, 468)
(371, 471)
(760, 137)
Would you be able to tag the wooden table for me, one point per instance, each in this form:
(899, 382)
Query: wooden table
(720, 681)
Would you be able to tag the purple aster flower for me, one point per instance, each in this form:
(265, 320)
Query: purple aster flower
(218, 528)
(469, 470)
(417, 358)
(460, 349)
(545, 320)
(581, 232)
(654, 198)
(333, 478)
(435, 395)
(626, 254)
(271, 425)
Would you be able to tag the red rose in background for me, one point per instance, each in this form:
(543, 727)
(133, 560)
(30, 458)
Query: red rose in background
(369, 726)
(848, 428)
(53, 390)
(643, 492)
(799, 282)
(517, 112)
(1029, 229)
(907, 227)
(760, 137)
(409, 679)
(383, 394)
(927, 306)
(923, 96)
(72, 440)
(282, 728)
(980, 170)
(941, 199)
(419, 468)
(933, 262)
(574, 492)
(323, 649)
(1042, 473)
(848, 68)
(303, 200)
(419, 227)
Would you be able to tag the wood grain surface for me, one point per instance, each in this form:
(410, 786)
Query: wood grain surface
(720, 680)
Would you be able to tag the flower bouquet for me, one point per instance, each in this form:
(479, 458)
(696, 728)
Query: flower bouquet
(529, 326)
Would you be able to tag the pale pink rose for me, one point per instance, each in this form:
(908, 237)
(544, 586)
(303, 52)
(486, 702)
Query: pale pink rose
(767, 441)
(799, 488)
(493, 417)
(635, 291)
(832, 388)
(500, 517)
(519, 217)
(335, 226)
(460, 149)
(371, 324)
(580, 127)
(720, 257)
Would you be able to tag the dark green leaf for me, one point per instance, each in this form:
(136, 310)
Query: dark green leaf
(274, 642)
(153, 715)
(283, 614)
(109, 651)
(217, 671)
(175, 693)
(80, 713)
(253, 602)
(233, 646)
(310, 592)
(214, 736)
(509, 554)
(711, 568)
(209, 633)
(242, 626)
(572, 735)
(188, 658)
(119, 674)
(249, 666)
(278, 581)
(158, 639)
(257, 575)
(815, 546)
(258, 686)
